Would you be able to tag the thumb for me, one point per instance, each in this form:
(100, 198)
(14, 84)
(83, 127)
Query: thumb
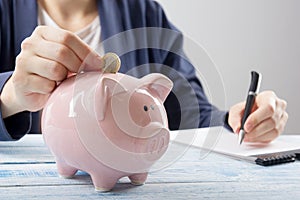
(109, 63)
(235, 116)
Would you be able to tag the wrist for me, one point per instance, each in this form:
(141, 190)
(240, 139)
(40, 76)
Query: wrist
(9, 105)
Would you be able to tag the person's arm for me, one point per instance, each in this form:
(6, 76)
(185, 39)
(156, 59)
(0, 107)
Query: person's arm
(39, 66)
(138, 31)
(264, 124)
(134, 17)
(17, 125)
(188, 105)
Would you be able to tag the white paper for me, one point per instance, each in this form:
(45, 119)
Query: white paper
(219, 139)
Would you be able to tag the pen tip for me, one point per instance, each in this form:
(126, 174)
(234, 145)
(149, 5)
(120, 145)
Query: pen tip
(241, 136)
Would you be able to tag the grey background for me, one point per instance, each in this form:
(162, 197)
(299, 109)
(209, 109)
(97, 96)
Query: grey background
(242, 35)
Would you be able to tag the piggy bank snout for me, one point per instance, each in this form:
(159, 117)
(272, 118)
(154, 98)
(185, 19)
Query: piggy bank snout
(154, 128)
(157, 145)
(146, 132)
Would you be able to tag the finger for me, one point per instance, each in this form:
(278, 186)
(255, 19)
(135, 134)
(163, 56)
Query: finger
(265, 138)
(72, 41)
(47, 68)
(38, 84)
(262, 113)
(264, 127)
(280, 109)
(269, 135)
(36, 46)
(281, 104)
(59, 53)
(235, 116)
(268, 124)
(111, 63)
(283, 122)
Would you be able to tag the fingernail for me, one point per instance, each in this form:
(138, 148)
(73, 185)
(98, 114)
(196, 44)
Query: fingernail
(93, 62)
(98, 61)
(236, 129)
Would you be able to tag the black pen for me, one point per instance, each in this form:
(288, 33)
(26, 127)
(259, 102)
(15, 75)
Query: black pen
(253, 91)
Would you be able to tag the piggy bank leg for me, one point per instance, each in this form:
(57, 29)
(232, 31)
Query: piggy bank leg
(138, 179)
(65, 170)
(103, 183)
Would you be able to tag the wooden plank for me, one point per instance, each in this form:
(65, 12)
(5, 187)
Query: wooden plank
(30, 149)
(30, 140)
(19, 155)
(46, 174)
(207, 190)
(37, 175)
(28, 172)
(213, 168)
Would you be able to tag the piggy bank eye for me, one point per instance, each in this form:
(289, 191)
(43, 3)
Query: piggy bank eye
(145, 108)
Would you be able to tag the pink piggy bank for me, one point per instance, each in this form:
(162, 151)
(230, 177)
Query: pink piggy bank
(108, 125)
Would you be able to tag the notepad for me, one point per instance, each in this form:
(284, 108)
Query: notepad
(220, 140)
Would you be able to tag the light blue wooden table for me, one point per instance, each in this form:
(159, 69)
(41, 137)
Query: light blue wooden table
(27, 171)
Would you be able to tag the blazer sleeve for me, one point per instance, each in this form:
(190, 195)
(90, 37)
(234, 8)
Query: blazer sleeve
(150, 43)
(16, 126)
(192, 104)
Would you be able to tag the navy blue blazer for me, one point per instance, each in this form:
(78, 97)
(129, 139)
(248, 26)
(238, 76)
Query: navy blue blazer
(142, 51)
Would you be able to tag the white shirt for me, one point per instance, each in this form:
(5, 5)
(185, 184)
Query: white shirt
(89, 34)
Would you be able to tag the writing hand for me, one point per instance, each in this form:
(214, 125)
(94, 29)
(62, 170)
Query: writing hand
(267, 120)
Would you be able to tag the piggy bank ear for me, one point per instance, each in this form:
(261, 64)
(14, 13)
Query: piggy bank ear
(158, 84)
(109, 87)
